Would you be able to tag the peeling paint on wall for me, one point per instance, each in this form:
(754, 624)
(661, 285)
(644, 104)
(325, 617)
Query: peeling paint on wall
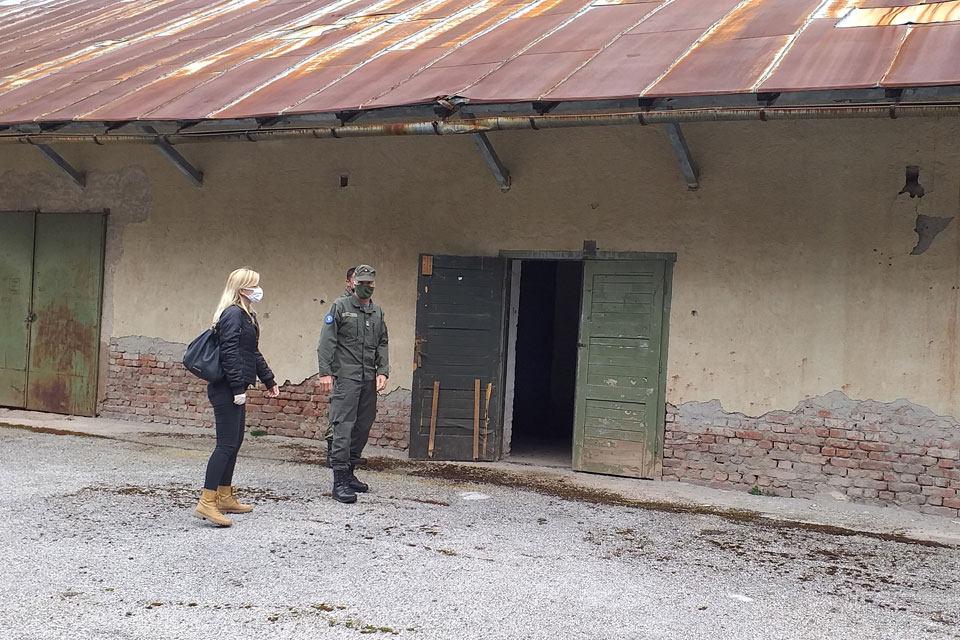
(873, 452)
(927, 229)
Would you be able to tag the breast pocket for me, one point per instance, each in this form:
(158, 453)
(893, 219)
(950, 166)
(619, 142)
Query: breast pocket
(348, 329)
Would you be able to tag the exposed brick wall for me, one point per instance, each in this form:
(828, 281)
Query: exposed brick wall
(147, 383)
(871, 452)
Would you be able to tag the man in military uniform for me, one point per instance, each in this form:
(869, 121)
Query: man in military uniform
(354, 366)
(328, 432)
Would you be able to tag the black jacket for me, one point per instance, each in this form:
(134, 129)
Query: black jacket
(240, 357)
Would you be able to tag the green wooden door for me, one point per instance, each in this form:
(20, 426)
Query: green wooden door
(618, 426)
(456, 411)
(65, 335)
(16, 275)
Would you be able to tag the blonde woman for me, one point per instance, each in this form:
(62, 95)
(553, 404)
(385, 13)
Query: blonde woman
(238, 335)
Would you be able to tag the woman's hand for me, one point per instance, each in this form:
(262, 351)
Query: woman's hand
(273, 391)
(381, 383)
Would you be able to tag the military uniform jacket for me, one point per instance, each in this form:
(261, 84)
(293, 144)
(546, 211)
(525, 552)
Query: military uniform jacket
(353, 341)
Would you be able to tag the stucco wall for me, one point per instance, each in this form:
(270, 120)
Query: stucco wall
(794, 253)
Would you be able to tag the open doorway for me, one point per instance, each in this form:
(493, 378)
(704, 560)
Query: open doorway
(542, 361)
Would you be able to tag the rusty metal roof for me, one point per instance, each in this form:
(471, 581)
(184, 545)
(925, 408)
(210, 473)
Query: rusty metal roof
(155, 60)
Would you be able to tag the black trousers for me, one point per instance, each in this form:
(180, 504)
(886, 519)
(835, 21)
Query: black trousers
(231, 419)
(353, 408)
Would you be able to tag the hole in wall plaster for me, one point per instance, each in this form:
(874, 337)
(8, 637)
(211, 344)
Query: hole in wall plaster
(913, 186)
(927, 228)
(344, 180)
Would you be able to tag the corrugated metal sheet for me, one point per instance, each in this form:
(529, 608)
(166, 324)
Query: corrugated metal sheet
(113, 60)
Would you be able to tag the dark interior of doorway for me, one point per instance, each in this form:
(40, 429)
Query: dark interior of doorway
(545, 374)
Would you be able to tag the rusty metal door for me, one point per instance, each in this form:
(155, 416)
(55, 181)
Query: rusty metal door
(65, 332)
(457, 400)
(16, 278)
(619, 415)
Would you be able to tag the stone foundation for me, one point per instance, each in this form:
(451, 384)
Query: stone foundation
(877, 453)
(147, 383)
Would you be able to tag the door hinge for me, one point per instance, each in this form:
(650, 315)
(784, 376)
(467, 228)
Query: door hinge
(417, 354)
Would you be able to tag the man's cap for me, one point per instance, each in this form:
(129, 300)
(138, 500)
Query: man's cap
(365, 273)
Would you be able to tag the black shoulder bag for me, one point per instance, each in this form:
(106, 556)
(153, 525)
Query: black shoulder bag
(202, 357)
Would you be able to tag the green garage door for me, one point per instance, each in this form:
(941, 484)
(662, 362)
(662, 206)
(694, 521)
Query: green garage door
(55, 261)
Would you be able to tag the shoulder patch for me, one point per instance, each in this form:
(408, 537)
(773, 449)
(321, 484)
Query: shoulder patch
(328, 319)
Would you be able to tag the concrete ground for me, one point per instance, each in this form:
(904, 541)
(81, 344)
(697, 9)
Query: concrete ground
(98, 542)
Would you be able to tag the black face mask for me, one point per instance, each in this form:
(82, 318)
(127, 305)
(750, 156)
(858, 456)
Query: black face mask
(363, 291)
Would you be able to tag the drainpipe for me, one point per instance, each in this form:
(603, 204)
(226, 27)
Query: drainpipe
(510, 123)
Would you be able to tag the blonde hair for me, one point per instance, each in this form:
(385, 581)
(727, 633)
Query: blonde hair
(242, 278)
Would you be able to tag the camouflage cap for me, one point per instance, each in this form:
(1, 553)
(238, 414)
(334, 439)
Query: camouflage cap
(365, 273)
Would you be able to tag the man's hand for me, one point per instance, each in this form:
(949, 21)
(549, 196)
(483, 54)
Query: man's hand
(326, 384)
(381, 383)
(273, 391)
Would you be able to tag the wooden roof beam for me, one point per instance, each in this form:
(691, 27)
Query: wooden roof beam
(500, 172)
(691, 173)
(181, 163)
(78, 177)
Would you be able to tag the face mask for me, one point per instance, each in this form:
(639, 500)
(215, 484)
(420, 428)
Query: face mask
(364, 291)
(255, 295)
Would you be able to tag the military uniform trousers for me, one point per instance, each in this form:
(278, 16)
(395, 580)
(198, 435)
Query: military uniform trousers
(353, 408)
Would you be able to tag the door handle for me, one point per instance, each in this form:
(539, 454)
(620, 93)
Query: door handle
(31, 318)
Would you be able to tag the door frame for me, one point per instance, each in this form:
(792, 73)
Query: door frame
(668, 258)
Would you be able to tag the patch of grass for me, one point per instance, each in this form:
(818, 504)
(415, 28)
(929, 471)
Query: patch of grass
(757, 491)
(256, 433)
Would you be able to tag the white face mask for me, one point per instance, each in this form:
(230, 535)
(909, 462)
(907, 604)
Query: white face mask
(255, 295)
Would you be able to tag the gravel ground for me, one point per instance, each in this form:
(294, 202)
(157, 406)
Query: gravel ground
(98, 542)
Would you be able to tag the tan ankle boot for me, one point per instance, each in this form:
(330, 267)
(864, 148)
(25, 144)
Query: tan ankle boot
(207, 508)
(227, 501)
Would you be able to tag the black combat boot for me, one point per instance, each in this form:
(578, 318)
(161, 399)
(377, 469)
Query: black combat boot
(356, 485)
(329, 449)
(342, 491)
